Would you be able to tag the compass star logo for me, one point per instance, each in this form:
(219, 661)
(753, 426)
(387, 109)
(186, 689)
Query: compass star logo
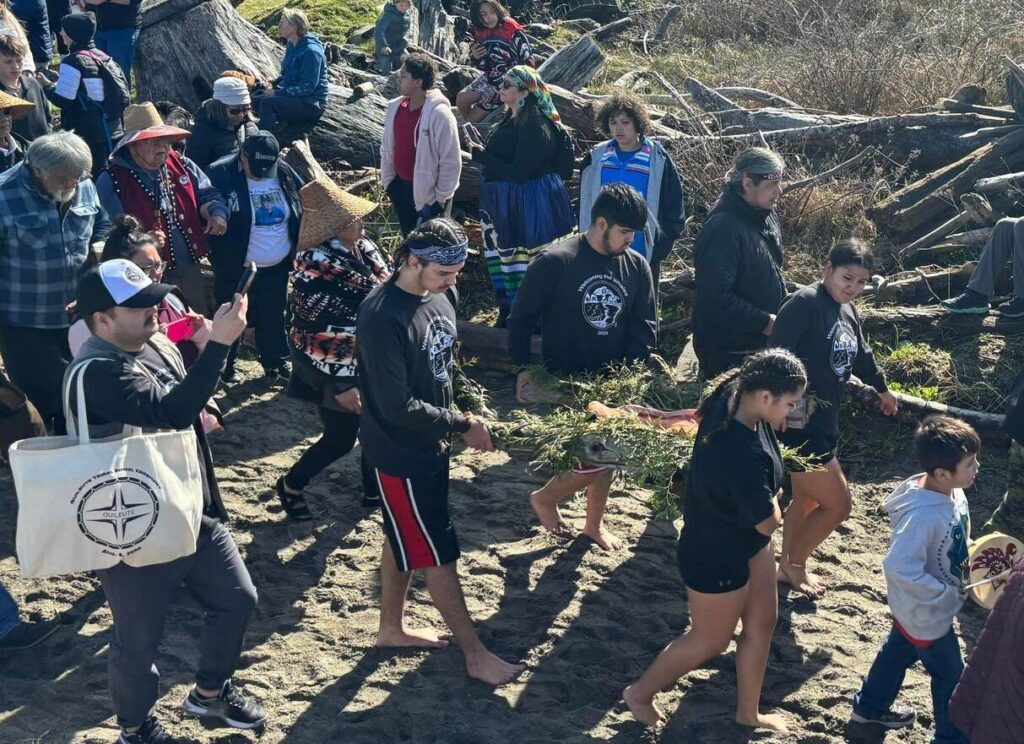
(118, 512)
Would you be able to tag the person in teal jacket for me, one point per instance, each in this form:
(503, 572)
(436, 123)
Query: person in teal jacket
(299, 95)
(391, 35)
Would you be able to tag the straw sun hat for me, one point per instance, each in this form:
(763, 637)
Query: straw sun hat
(327, 210)
(16, 107)
(142, 122)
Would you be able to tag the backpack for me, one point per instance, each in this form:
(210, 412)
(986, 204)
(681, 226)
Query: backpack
(116, 95)
(565, 159)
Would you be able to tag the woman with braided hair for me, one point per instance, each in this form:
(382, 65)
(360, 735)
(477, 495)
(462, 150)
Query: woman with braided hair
(725, 548)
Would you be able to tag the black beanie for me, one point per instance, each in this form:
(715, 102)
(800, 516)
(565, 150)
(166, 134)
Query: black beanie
(80, 27)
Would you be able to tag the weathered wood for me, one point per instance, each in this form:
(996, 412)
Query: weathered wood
(1015, 86)
(976, 209)
(722, 108)
(299, 157)
(573, 66)
(864, 154)
(663, 25)
(997, 184)
(489, 346)
(960, 107)
(893, 323)
(611, 29)
(678, 99)
(923, 285)
(435, 29)
(913, 409)
(758, 95)
(987, 133)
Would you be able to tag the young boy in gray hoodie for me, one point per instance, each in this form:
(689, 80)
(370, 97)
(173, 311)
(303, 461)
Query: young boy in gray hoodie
(931, 527)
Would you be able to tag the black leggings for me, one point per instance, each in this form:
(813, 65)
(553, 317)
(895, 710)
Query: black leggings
(338, 439)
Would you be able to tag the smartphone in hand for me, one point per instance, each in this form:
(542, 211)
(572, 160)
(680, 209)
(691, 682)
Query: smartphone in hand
(247, 277)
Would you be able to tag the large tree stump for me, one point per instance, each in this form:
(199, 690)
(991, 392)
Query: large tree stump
(434, 29)
(185, 43)
(573, 66)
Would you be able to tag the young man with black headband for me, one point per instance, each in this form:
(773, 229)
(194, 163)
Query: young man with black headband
(406, 358)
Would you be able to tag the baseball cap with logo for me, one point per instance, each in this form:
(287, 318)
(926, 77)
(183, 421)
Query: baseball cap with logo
(117, 283)
(261, 149)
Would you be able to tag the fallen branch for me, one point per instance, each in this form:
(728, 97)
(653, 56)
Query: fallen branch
(997, 184)
(913, 409)
(825, 175)
(756, 94)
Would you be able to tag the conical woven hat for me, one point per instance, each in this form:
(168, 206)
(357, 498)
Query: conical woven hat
(15, 106)
(327, 209)
(142, 122)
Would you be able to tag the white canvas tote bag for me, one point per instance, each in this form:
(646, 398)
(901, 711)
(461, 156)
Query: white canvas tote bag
(86, 504)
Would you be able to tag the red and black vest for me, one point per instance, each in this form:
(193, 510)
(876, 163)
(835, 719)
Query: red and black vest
(142, 204)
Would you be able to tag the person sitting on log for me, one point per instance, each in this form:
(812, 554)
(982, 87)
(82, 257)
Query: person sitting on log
(819, 324)
(262, 195)
(164, 191)
(299, 95)
(725, 551)
(420, 159)
(12, 147)
(523, 200)
(90, 90)
(221, 122)
(738, 265)
(630, 157)
(15, 82)
(1006, 240)
(499, 44)
(594, 302)
(391, 35)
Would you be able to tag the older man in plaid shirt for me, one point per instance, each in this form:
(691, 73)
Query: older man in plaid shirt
(50, 214)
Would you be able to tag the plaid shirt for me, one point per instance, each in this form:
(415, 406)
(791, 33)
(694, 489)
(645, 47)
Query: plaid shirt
(42, 253)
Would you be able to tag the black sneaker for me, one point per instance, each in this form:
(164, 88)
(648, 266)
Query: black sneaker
(27, 635)
(969, 303)
(230, 706)
(150, 732)
(897, 717)
(1013, 308)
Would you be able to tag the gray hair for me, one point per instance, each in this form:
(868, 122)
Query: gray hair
(297, 18)
(755, 160)
(60, 153)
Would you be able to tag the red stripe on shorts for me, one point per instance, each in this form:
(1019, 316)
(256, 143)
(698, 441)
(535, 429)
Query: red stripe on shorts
(412, 537)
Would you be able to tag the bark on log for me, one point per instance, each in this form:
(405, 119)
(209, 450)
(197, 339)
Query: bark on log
(573, 66)
(435, 29)
(303, 163)
(924, 285)
(910, 211)
(612, 29)
(976, 209)
(183, 41)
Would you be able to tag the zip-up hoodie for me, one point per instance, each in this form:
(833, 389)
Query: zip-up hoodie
(927, 552)
(304, 69)
(392, 29)
(438, 157)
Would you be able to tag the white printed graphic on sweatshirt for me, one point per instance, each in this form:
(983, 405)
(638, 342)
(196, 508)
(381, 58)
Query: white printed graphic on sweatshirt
(844, 347)
(604, 297)
(439, 343)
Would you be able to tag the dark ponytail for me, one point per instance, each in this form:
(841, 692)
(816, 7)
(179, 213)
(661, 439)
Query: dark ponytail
(125, 238)
(778, 371)
(851, 252)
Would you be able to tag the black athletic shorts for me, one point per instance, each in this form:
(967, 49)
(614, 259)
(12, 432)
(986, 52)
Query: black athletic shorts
(711, 570)
(416, 519)
(810, 442)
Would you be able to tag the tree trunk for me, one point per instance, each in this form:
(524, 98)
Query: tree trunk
(435, 29)
(573, 66)
(723, 109)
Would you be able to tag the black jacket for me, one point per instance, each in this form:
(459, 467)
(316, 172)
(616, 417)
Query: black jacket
(37, 123)
(11, 159)
(227, 251)
(519, 152)
(211, 140)
(77, 114)
(738, 262)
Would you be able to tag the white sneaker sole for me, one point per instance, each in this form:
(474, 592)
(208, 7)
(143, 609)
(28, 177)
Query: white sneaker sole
(200, 712)
(891, 725)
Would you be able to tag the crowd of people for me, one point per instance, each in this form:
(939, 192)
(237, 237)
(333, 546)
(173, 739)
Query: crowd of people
(104, 229)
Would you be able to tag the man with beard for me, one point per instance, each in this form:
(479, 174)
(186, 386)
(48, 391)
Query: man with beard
(594, 301)
(50, 214)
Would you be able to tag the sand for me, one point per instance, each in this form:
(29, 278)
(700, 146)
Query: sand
(585, 622)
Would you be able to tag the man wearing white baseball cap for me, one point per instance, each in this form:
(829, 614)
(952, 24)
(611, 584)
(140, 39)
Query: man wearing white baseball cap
(222, 122)
(137, 378)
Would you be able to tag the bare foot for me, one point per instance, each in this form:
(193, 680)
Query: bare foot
(605, 540)
(415, 638)
(771, 721)
(488, 668)
(549, 516)
(644, 711)
(799, 579)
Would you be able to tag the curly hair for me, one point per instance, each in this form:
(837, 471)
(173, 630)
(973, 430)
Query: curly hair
(629, 104)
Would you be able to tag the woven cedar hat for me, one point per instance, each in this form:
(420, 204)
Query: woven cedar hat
(142, 122)
(15, 106)
(326, 210)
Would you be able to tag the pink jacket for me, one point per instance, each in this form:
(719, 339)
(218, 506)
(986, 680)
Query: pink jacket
(438, 157)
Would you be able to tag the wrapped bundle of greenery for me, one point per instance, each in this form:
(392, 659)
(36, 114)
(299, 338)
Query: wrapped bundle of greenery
(650, 384)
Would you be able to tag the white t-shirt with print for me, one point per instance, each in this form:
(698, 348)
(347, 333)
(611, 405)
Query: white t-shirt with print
(268, 238)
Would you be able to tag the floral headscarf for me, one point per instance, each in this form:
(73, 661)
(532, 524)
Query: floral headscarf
(529, 79)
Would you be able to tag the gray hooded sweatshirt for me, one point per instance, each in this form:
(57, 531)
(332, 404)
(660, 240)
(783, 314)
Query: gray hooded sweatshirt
(927, 552)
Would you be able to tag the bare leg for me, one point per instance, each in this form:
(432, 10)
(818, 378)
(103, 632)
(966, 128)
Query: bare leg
(546, 499)
(597, 500)
(445, 590)
(799, 508)
(394, 585)
(464, 101)
(713, 619)
(831, 492)
(760, 613)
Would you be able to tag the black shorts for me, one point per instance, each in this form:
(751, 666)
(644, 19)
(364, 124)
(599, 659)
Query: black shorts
(811, 443)
(416, 519)
(711, 570)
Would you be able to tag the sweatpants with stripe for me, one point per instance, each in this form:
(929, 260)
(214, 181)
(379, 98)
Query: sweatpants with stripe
(416, 519)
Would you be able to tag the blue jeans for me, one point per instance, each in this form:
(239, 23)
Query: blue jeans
(9, 619)
(120, 43)
(944, 664)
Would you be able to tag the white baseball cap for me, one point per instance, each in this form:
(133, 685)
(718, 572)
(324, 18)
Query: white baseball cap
(117, 283)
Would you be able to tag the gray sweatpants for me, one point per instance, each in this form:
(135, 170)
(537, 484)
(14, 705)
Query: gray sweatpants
(139, 599)
(1007, 238)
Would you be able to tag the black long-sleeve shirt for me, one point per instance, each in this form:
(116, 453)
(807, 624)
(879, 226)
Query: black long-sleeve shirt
(406, 360)
(117, 393)
(519, 152)
(828, 339)
(593, 309)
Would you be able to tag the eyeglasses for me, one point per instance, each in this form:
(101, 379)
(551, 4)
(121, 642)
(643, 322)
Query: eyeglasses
(235, 111)
(156, 268)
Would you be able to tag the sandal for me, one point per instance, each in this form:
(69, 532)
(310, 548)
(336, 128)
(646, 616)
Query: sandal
(294, 504)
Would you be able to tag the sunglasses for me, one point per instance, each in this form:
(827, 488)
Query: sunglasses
(235, 111)
(154, 268)
(506, 84)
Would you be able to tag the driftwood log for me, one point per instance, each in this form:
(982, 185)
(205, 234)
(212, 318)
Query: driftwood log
(573, 66)
(434, 29)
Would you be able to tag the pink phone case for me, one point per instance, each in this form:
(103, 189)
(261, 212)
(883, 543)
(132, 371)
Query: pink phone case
(180, 330)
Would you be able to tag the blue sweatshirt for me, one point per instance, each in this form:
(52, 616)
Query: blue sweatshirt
(304, 69)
